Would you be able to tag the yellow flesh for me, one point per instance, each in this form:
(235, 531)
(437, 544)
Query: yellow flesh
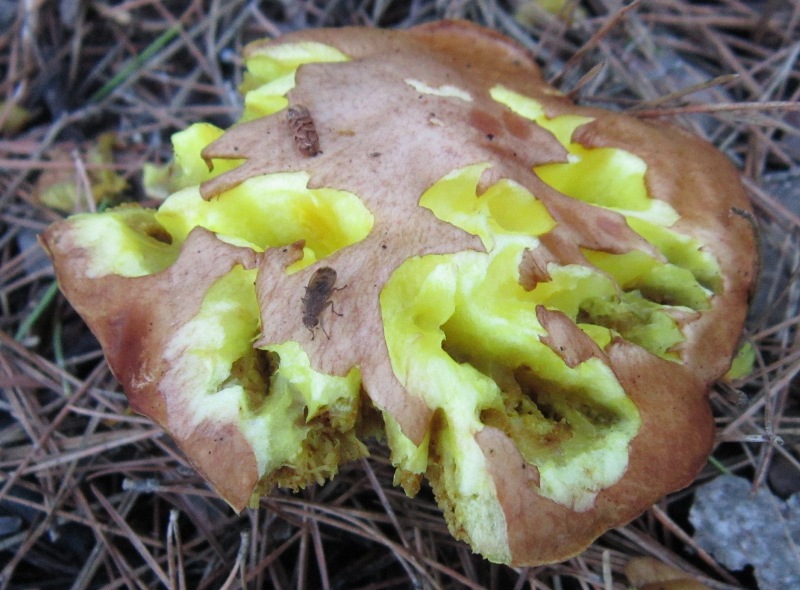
(462, 333)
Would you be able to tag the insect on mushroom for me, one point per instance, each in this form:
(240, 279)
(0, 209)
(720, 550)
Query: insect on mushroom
(318, 296)
(305, 131)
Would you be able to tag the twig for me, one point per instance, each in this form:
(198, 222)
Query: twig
(610, 23)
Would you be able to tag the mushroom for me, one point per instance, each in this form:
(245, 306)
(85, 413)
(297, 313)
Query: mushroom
(536, 296)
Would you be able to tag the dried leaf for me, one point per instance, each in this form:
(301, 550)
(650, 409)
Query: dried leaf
(646, 573)
(13, 118)
(58, 188)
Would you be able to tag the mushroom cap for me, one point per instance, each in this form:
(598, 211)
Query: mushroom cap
(519, 281)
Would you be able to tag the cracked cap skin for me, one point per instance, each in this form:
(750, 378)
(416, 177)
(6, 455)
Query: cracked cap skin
(538, 298)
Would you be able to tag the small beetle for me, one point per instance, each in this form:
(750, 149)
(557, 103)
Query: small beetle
(305, 132)
(318, 296)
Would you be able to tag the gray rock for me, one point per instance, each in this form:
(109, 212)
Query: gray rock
(741, 528)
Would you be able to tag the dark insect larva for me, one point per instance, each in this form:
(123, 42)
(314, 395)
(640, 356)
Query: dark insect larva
(318, 292)
(305, 132)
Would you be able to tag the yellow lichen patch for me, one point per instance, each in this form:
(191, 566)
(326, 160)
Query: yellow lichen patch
(272, 210)
(271, 74)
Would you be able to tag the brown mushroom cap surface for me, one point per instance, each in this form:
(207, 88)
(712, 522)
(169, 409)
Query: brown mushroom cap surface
(404, 114)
